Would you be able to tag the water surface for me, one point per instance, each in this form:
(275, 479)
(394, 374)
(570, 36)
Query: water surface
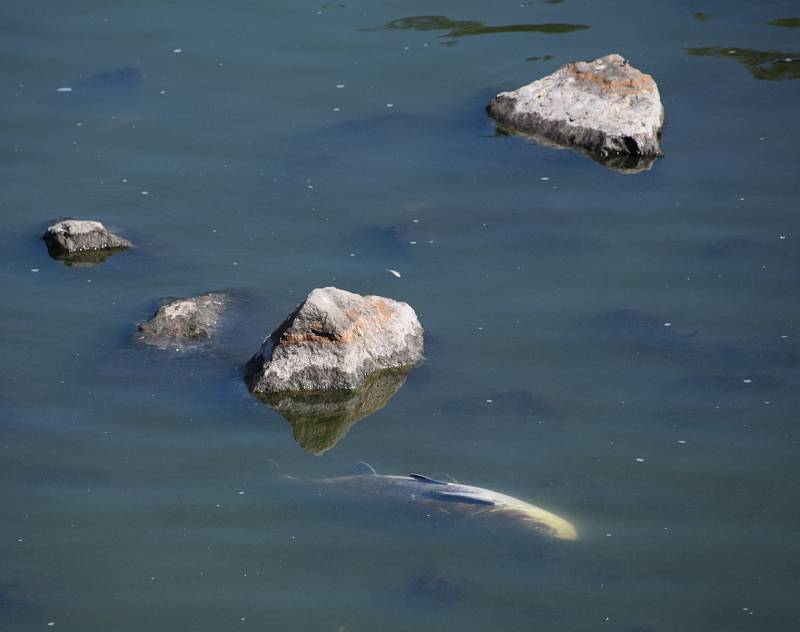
(619, 349)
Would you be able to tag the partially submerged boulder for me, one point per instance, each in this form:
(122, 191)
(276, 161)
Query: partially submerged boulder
(186, 319)
(333, 340)
(605, 107)
(77, 241)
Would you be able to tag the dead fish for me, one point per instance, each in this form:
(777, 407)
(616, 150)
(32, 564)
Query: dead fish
(442, 498)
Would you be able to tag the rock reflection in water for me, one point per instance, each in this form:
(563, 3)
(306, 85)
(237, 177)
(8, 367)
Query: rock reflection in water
(464, 28)
(626, 164)
(85, 258)
(763, 65)
(321, 419)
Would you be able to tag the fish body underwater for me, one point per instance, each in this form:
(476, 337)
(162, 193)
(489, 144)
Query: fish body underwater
(439, 498)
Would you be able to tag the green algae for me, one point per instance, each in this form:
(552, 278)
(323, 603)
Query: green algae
(786, 22)
(763, 65)
(465, 28)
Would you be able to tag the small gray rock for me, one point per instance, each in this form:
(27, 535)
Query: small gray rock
(606, 107)
(333, 340)
(72, 236)
(190, 319)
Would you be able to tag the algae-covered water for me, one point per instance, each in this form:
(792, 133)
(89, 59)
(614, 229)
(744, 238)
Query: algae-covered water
(621, 350)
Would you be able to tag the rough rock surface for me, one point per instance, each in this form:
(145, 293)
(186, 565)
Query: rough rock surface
(76, 235)
(605, 106)
(333, 340)
(184, 319)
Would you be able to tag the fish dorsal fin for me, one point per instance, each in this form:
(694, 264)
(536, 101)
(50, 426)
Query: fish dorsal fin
(446, 478)
(425, 479)
(363, 469)
(459, 497)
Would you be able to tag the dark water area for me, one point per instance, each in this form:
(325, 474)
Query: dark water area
(620, 349)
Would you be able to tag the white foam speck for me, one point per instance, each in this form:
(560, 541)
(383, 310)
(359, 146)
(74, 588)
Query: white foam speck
(145, 192)
(390, 105)
(64, 89)
(747, 381)
(639, 460)
(177, 50)
(544, 178)
(34, 269)
(394, 272)
(340, 86)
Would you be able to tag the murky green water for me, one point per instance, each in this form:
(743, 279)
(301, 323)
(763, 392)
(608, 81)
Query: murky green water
(621, 350)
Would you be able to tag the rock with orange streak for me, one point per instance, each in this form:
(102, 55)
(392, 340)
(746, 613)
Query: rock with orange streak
(333, 340)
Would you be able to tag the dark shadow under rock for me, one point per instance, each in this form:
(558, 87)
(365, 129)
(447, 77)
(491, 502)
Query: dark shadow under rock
(321, 419)
(625, 164)
(85, 259)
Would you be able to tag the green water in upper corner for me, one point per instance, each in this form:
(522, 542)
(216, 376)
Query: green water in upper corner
(621, 350)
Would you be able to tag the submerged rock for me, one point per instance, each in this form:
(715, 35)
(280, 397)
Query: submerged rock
(435, 588)
(320, 419)
(87, 242)
(605, 107)
(333, 340)
(191, 319)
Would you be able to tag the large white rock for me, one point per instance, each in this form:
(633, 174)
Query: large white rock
(333, 340)
(605, 106)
